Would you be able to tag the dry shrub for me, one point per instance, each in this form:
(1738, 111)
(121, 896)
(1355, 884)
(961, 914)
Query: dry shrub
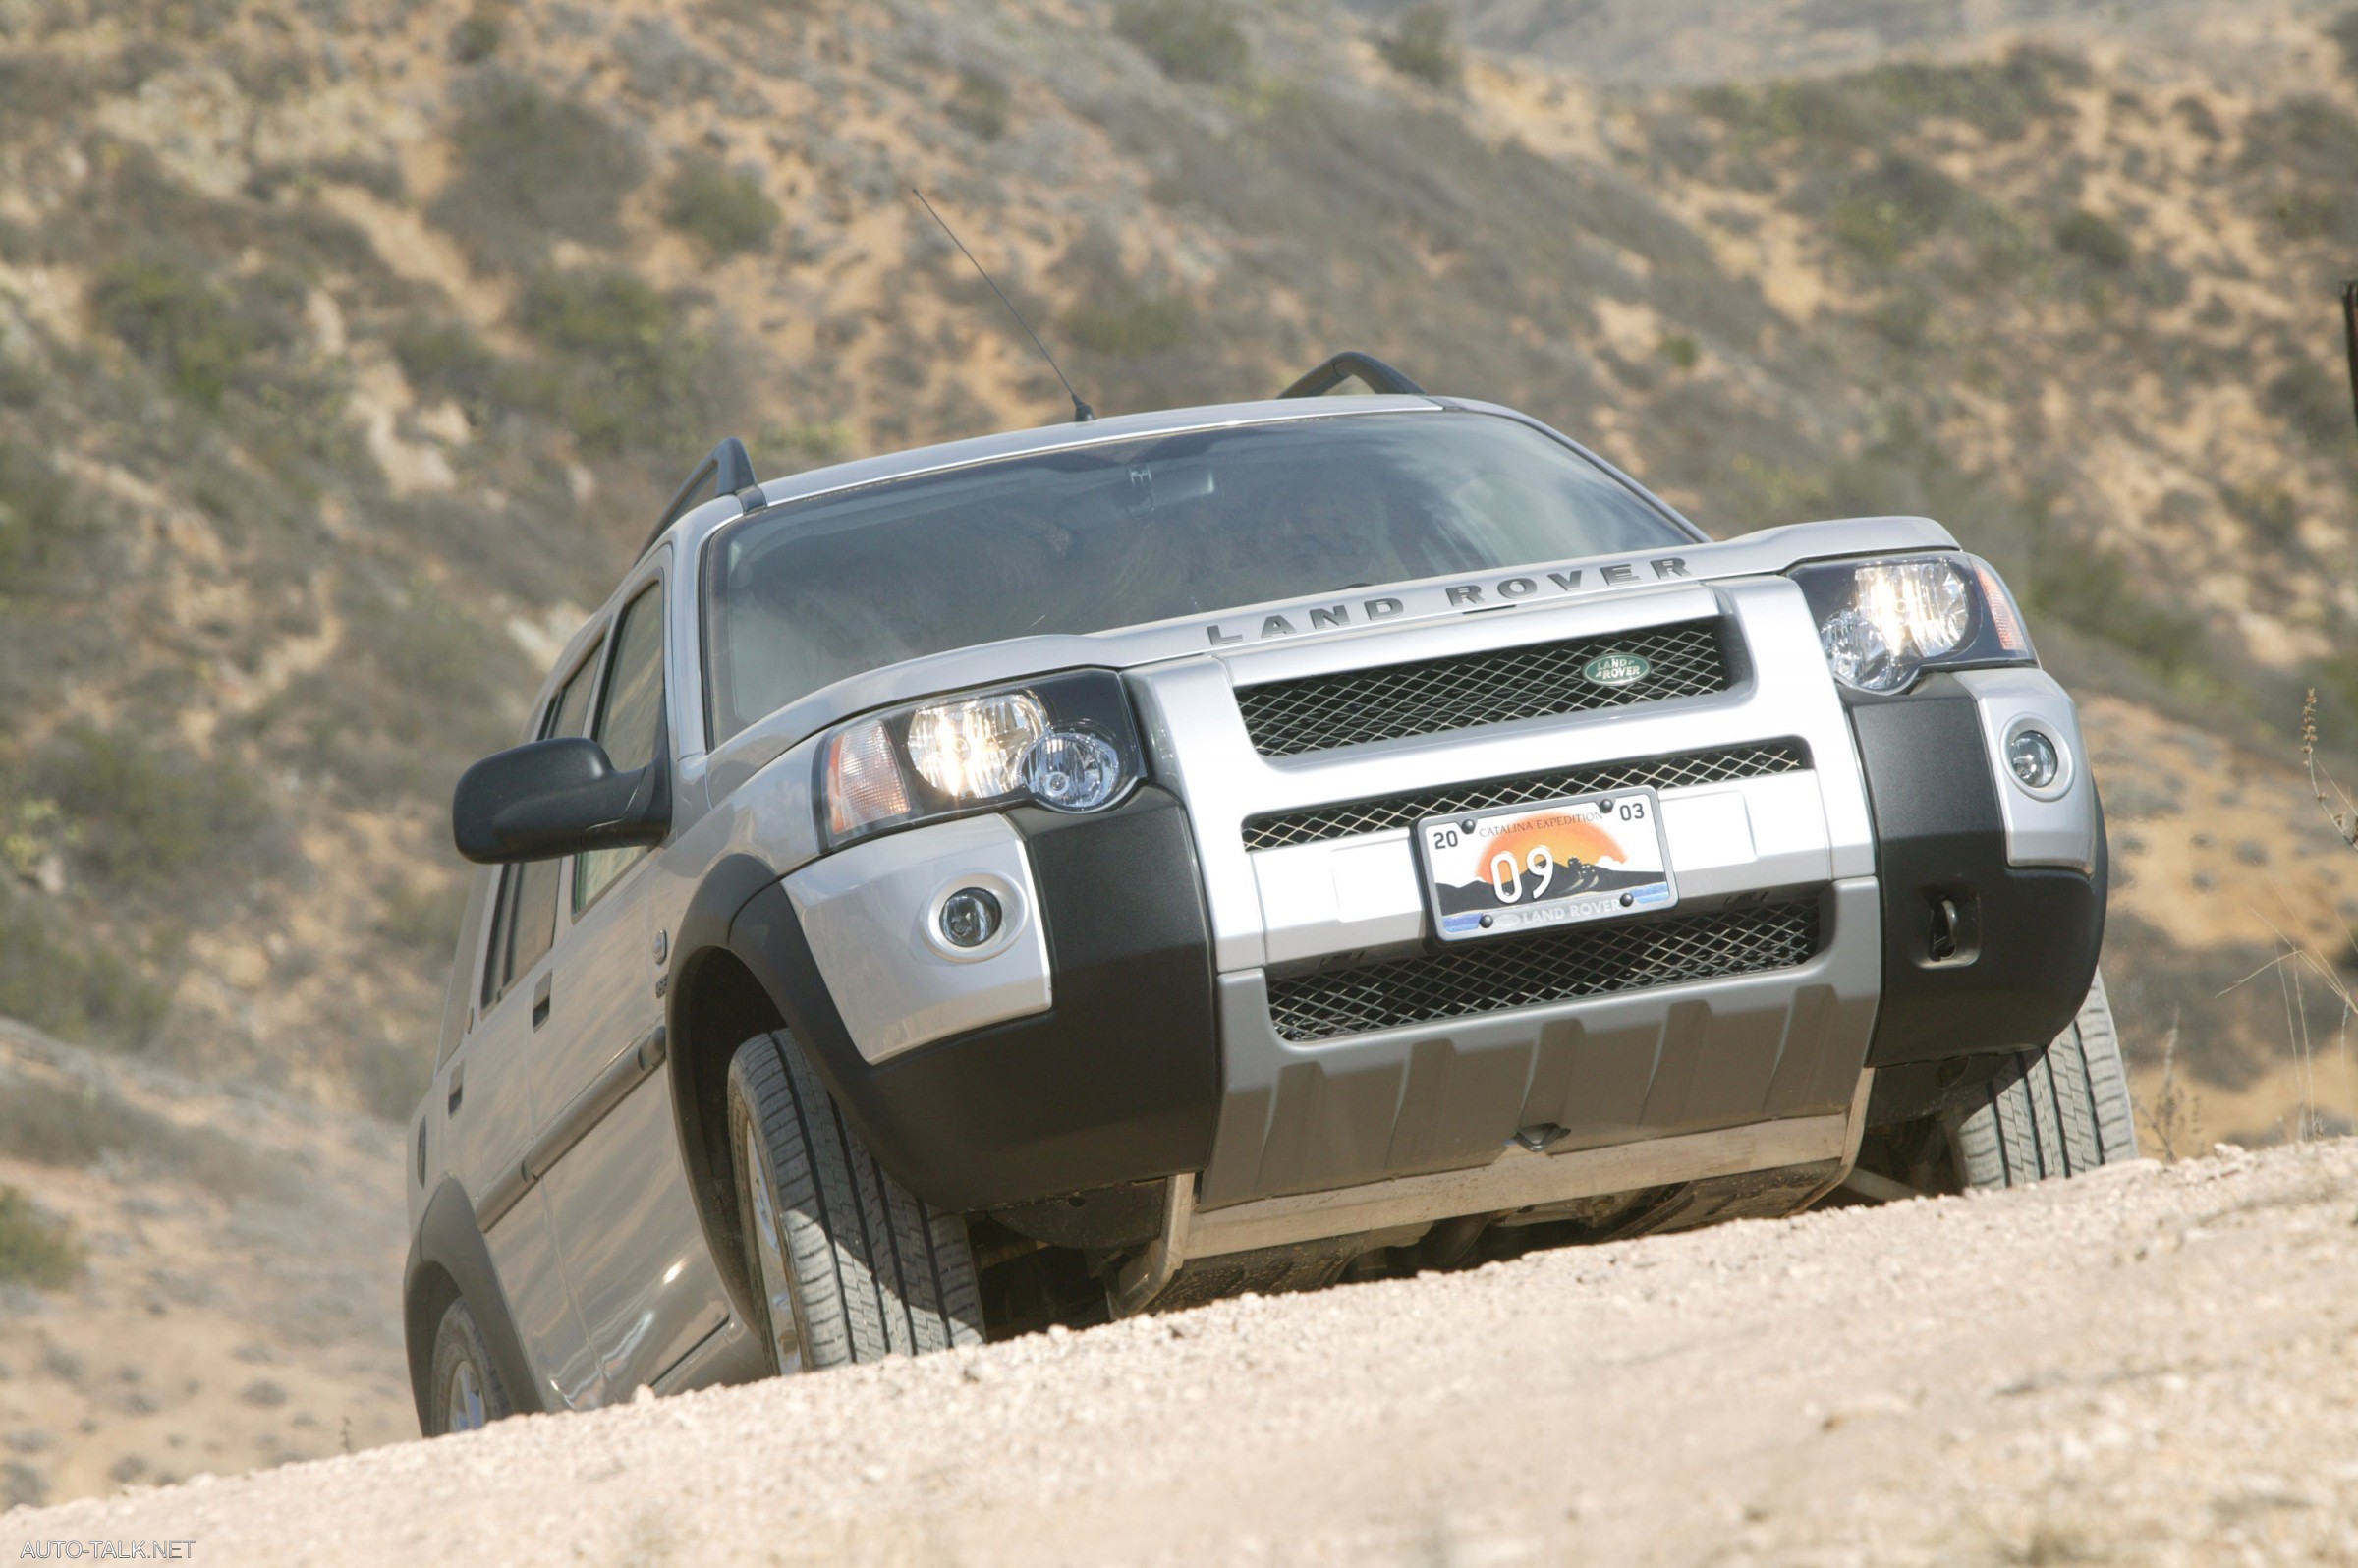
(981, 104)
(629, 360)
(534, 169)
(36, 526)
(146, 811)
(1189, 40)
(178, 322)
(34, 1250)
(75, 1125)
(1424, 46)
(60, 975)
(2096, 238)
(721, 209)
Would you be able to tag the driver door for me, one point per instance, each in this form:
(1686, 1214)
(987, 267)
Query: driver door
(626, 1225)
(489, 1099)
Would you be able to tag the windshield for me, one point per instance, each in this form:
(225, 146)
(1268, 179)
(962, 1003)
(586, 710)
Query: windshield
(1130, 531)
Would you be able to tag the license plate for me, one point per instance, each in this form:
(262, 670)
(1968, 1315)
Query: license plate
(1527, 868)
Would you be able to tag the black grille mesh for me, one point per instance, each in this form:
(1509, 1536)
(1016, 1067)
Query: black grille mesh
(1354, 706)
(1314, 824)
(1558, 966)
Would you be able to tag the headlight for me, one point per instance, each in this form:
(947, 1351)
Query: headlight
(1067, 743)
(975, 746)
(1883, 623)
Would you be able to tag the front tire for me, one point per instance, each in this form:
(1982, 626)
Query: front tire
(2062, 1111)
(847, 1265)
(468, 1393)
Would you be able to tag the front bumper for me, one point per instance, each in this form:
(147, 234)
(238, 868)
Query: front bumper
(1115, 1080)
(1992, 900)
(1134, 1036)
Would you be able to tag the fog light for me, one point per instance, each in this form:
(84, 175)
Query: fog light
(970, 917)
(2034, 760)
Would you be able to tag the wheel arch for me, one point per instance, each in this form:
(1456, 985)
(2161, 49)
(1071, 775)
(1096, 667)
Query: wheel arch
(714, 1002)
(449, 1261)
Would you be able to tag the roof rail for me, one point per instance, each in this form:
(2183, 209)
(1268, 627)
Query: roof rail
(1351, 364)
(727, 468)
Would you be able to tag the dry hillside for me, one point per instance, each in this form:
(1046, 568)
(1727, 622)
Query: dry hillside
(233, 1258)
(347, 348)
(347, 343)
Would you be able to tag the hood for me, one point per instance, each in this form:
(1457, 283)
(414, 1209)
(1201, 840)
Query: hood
(1347, 614)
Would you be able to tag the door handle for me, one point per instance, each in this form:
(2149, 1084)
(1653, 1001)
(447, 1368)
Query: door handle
(541, 998)
(458, 1087)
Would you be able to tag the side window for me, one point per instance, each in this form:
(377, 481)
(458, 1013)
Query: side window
(630, 718)
(572, 703)
(495, 963)
(524, 921)
(535, 916)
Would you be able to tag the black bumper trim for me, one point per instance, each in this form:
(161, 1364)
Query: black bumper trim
(1979, 955)
(1118, 1081)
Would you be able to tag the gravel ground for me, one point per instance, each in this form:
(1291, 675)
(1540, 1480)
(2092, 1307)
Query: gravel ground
(2148, 1366)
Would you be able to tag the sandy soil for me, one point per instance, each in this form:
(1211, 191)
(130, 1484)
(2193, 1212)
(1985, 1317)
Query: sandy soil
(2222, 849)
(239, 1306)
(2156, 1364)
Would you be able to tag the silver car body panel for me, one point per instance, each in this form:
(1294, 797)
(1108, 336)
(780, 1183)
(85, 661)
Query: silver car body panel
(2051, 826)
(730, 1354)
(1517, 1179)
(1645, 1064)
(524, 1251)
(872, 913)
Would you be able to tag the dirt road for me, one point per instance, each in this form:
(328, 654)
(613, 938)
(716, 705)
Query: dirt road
(2150, 1365)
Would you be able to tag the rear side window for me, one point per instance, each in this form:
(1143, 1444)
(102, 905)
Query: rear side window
(496, 959)
(525, 922)
(572, 703)
(630, 718)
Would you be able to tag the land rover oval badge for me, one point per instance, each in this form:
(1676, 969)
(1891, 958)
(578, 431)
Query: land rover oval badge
(1616, 669)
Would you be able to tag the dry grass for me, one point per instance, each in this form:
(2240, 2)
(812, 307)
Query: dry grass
(2298, 964)
(2174, 1114)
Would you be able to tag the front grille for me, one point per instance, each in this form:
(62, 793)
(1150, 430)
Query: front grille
(1318, 822)
(1523, 970)
(1289, 717)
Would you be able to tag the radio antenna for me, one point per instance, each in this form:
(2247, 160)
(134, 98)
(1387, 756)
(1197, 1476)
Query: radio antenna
(1081, 411)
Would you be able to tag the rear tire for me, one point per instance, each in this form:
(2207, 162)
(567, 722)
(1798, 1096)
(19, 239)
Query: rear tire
(468, 1393)
(2062, 1111)
(847, 1264)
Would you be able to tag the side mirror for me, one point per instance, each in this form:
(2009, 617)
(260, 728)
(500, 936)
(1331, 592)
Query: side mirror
(549, 798)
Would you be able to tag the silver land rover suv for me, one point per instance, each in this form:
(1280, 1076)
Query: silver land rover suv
(1099, 868)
